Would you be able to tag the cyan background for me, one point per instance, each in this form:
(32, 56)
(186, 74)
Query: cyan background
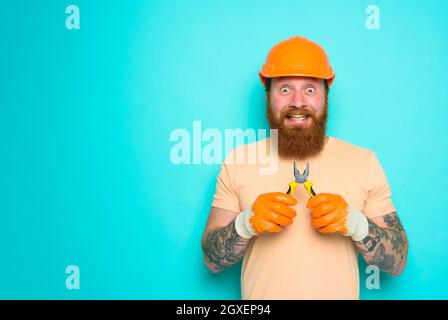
(86, 118)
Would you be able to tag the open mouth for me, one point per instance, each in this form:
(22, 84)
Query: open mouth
(297, 119)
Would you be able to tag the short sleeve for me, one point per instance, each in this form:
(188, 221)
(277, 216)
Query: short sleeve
(226, 196)
(379, 200)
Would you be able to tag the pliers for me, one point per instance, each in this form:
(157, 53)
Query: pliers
(301, 179)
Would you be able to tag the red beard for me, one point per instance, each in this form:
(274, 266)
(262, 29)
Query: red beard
(298, 142)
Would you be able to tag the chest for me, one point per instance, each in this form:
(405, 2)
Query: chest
(338, 179)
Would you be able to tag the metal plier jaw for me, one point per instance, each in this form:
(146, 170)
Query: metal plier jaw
(301, 179)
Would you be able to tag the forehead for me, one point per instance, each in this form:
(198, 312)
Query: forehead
(297, 80)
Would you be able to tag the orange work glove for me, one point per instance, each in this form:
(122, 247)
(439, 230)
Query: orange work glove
(269, 213)
(331, 213)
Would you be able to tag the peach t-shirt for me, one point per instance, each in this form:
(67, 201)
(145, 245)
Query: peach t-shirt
(300, 262)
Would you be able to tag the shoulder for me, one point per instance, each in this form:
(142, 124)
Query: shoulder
(248, 153)
(346, 149)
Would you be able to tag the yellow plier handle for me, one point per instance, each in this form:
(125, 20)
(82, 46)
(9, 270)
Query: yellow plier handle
(307, 184)
(309, 188)
(292, 187)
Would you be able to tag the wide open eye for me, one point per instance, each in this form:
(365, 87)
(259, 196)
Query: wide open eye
(310, 90)
(284, 90)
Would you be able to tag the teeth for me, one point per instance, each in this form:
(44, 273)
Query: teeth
(297, 117)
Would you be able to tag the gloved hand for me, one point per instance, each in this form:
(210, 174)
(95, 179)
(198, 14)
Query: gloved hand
(269, 213)
(331, 213)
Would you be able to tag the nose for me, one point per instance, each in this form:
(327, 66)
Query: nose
(297, 99)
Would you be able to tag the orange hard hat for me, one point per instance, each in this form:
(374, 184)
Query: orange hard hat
(297, 56)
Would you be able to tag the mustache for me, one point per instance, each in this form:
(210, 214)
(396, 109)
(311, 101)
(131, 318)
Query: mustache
(292, 111)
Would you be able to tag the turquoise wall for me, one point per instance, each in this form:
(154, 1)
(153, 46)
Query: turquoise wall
(86, 118)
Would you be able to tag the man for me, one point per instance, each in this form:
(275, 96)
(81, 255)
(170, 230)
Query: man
(296, 246)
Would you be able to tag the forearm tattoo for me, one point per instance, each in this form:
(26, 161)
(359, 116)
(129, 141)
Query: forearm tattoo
(385, 247)
(223, 247)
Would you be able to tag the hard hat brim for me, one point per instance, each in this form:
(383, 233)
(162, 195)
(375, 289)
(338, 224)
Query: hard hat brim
(263, 76)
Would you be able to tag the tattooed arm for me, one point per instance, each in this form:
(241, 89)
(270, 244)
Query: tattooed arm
(386, 245)
(221, 244)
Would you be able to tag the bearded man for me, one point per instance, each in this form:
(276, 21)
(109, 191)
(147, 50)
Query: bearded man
(298, 245)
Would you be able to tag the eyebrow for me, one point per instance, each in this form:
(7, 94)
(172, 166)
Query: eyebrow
(308, 83)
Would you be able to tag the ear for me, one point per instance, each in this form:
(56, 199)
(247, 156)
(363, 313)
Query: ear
(267, 98)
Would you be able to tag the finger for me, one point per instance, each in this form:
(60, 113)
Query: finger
(274, 217)
(281, 208)
(326, 220)
(282, 197)
(318, 199)
(279, 219)
(335, 227)
(271, 227)
(323, 209)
